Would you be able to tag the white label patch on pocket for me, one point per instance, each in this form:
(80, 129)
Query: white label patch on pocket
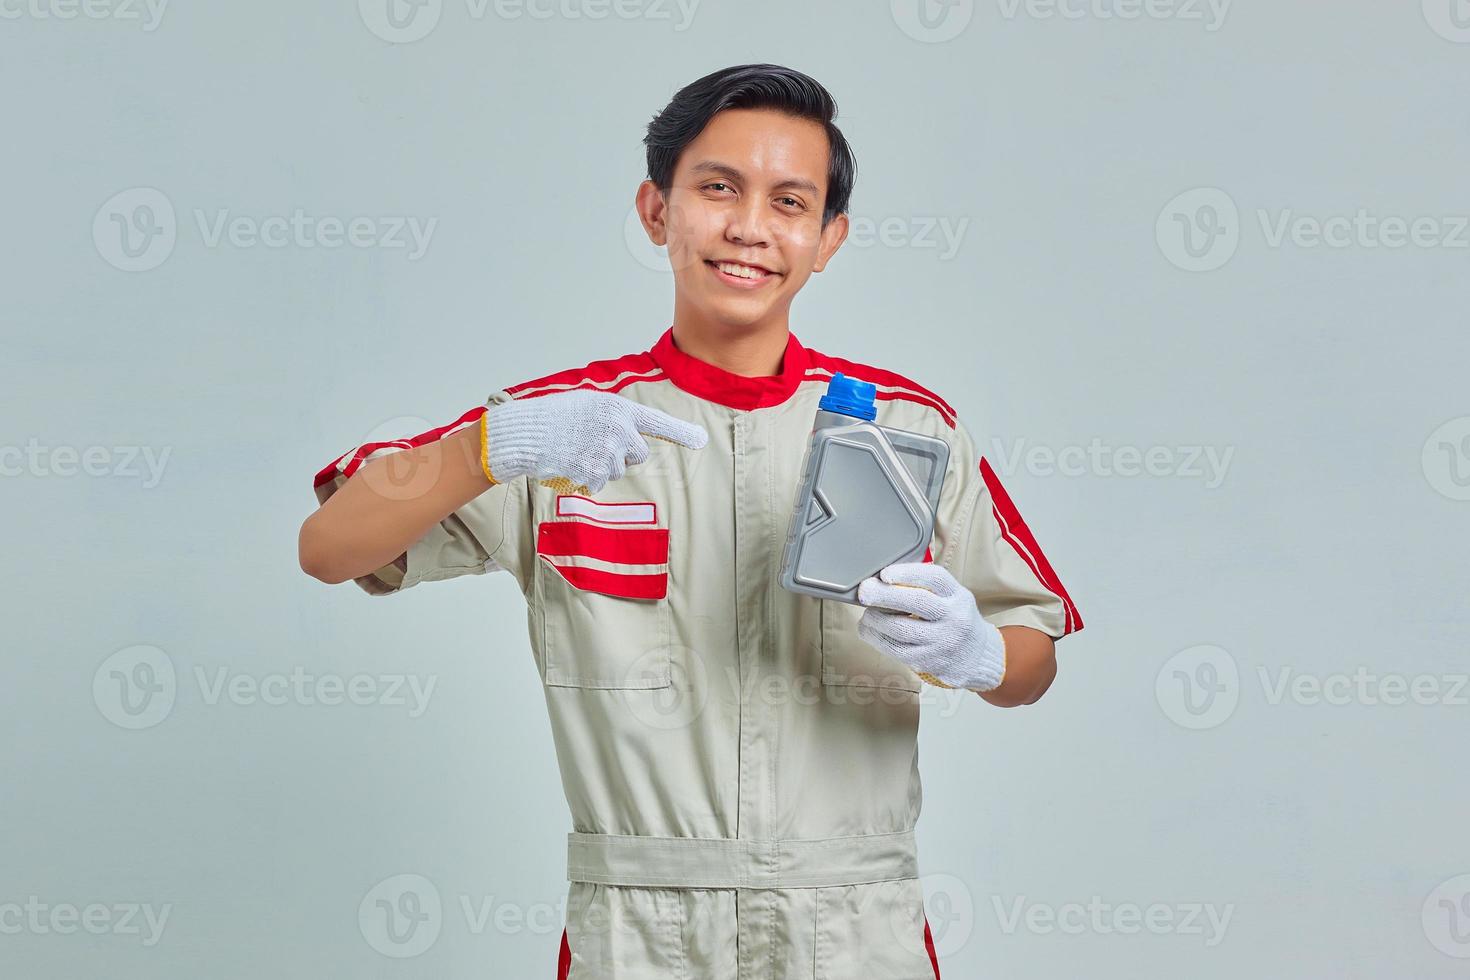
(628, 512)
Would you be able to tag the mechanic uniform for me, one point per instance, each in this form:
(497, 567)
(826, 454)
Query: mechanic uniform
(741, 768)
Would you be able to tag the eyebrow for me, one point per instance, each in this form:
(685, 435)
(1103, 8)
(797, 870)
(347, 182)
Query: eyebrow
(725, 170)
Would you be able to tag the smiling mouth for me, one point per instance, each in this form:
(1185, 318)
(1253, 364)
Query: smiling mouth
(737, 274)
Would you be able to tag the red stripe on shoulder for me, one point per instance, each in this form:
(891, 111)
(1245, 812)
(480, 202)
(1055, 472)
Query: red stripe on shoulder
(346, 467)
(1014, 530)
(906, 389)
(599, 375)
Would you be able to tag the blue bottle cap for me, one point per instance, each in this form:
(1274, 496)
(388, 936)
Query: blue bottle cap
(849, 396)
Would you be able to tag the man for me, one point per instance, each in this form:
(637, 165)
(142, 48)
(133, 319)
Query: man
(740, 761)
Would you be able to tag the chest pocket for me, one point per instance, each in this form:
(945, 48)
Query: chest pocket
(849, 661)
(602, 577)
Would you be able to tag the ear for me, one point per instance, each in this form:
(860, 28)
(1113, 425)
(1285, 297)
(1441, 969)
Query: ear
(652, 210)
(832, 237)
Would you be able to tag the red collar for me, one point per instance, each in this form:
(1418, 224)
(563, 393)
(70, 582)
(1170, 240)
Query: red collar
(705, 380)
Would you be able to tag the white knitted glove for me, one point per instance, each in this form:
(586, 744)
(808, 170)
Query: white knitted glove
(586, 437)
(937, 630)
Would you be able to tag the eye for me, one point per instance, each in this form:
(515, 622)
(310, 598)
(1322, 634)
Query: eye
(795, 202)
(717, 183)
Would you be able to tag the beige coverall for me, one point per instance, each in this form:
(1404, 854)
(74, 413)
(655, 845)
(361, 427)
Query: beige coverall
(741, 768)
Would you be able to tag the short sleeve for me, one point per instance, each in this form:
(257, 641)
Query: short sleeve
(989, 548)
(487, 534)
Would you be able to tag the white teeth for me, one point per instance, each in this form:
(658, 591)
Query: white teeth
(743, 271)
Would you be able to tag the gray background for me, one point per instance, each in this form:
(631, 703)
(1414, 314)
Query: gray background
(1331, 833)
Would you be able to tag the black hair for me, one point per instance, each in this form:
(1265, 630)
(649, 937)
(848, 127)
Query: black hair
(750, 87)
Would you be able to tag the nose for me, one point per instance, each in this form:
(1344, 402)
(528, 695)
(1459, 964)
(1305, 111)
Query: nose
(747, 223)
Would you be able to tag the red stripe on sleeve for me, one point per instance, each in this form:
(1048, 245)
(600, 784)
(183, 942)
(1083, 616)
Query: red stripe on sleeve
(1021, 538)
(362, 452)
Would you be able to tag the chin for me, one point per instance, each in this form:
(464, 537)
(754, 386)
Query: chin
(739, 315)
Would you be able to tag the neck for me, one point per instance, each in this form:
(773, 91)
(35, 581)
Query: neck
(751, 352)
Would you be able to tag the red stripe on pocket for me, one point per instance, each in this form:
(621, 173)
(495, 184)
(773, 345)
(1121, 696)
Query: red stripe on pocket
(630, 545)
(614, 583)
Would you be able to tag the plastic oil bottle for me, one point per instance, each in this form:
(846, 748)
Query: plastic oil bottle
(867, 498)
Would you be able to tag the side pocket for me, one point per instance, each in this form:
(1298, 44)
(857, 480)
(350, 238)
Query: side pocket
(604, 598)
(632, 932)
(874, 931)
(849, 661)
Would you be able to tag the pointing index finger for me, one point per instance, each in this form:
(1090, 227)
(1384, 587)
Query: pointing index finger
(661, 425)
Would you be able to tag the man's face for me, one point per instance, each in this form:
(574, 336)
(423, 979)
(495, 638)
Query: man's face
(749, 190)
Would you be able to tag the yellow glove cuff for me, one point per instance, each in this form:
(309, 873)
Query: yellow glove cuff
(485, 448)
